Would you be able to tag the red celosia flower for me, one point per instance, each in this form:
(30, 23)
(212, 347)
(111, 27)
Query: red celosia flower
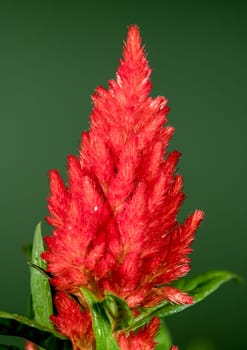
(73, 321)
(142, 340)
(115, 223)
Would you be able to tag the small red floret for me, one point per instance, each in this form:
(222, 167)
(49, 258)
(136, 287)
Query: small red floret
(73, 321)
(143, 339)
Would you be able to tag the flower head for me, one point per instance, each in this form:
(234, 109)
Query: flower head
(115, 222)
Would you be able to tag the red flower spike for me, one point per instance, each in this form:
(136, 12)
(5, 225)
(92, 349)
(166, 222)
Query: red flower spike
(143, 339)
(115, 223)
(73, 322)
(174, 347)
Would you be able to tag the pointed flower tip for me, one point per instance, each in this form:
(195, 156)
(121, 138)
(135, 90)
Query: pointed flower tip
(133, 33)
(134, 39)
(199, 216)
(133, 74)
(176, 296)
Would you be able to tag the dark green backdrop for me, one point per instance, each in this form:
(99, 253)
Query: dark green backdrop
(52, 56)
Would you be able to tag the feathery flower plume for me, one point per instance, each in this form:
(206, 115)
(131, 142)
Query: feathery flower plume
(142, 340)
(115, 222)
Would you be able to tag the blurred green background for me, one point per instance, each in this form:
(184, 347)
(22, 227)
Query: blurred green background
(52, 56)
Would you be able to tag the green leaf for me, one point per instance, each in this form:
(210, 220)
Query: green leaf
(117, 311)
(199, 287)
(20, 326)
(101, 323)
(40, 288)
(8, 347)
(163, 337)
